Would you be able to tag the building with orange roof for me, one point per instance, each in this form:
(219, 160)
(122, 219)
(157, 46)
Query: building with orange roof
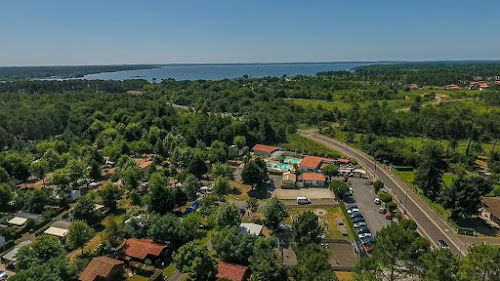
(497, 82)
(102, 268)
(312, 179)
(413, 86)
(233, 272)
(145, 164)
(483, 86)
(453, 87)
(138, 250)
(264, 150)
(315, 163)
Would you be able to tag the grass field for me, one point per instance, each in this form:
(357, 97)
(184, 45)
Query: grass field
(304, 145)
(328, 220)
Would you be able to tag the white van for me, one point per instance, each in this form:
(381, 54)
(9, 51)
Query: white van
(303, 200)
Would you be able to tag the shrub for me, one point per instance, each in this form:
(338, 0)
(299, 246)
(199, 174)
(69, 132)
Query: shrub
(385, 197)
(378, 185)
(391, 206)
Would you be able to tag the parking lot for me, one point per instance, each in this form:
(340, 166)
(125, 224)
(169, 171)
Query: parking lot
(363, 197)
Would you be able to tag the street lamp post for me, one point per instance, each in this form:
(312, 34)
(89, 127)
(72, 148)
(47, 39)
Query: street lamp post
(406, 198)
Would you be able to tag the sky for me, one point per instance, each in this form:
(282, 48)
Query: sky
(92, 32)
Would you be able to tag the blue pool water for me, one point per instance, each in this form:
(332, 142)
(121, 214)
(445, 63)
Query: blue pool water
(292, 160)
(280, 167)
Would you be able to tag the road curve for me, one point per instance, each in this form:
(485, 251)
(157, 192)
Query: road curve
(430, 225)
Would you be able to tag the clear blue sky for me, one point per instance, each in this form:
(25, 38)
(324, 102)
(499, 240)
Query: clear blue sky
(50, 32)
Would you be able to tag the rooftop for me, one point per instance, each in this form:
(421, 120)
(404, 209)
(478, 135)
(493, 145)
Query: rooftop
(314, 161)
(250, 228)
(99, 267)
(11, 256)
(312, 177)
(17, 221)
(56, 231)
(265, 148)
(492, 205)
(233, 272)
(141, 248)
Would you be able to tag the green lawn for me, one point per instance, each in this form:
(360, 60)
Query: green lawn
(169, 270)
(329, 105)
(304, 145)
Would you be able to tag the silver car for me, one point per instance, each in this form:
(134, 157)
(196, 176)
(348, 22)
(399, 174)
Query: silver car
(3, 275)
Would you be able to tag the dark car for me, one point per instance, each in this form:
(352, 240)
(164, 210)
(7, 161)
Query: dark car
(351, 206)
(358, 219)
(362, 230)
(442, 244)
(368, 240)
(356, 214)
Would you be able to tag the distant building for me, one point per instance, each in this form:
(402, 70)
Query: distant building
(453, 87)
(138, 250)
(315, 163)
(413, 86)
(102, 268)
(264, 150)
(491, 209)
(58, 229)
(21, 218)
(483, 86)
(288, 179)
(233, 272)
(312, 179)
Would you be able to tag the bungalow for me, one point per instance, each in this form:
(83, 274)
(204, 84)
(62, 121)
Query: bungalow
(21, 218)
(139, 250)
(288, 179)
(413, 86)
(312, 179)
(250, 228)
(102, 268)
(315, 163)
(264, 150)
(233, 272)
(10, 258)
(491, 209)
(483, 86)
(453, 87)
(58, 229)
(497, 82)
(145, 164)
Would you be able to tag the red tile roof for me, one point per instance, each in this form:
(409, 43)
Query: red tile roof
(341, 160)
(265, 148)
(313, 177)
(233, 272)
(483, 85)
(145, 164)
(99, 267)
(497, 82)
(141, 248)
(314, 161)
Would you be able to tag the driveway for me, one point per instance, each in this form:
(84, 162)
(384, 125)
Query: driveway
(363, 196)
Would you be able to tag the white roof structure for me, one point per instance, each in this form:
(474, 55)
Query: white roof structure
(11, 256)
(19, 221)
(359, 171)
(56, 231)
(250, 228)
(98, 207)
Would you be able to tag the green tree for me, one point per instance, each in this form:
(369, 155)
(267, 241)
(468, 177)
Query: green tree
(61, 177)
(240, 142)
(197, 261)
(481, 264)
(113, 232)
(331, 171)
(306, 229)
(339, 188)
(254, 173)
(55, 269)
(233, 247)
(227, 215)
(40, 168)
(79, 234)
(252, 205)
(378, 185)
(221, 186)
(313, 265)
(85, 210)
(42, 249)
(164, 229)
(162, 199)
(6, 195)
(439, 265)
(222, 170)
(189, 227)
(429, 175)
(110, 194)
(267, 265)
(191, 186)
(463, 199)
(274, 213)
(4, 176)
(217, 152)
(52, 158)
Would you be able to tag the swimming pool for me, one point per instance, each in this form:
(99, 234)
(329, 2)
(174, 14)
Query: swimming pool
(279, 167)
(291, 160)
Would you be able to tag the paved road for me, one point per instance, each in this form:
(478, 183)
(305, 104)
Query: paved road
(363, 196)
(430, 225)
(263, 203)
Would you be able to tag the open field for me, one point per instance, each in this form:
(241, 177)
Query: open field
(304, 145)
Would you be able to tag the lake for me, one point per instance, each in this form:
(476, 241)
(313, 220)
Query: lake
(223, 71)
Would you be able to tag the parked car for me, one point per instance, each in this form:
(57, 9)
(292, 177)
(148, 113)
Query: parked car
(351, 206)
(3, 275)
(362, 230)
(359, 224)
(356, 214)
(388, 216)
(364, 235)
(377, 201)
(303, 200)
(368, 240)
(358, 219)
(353, 210)
(442, 244)
(382, 210)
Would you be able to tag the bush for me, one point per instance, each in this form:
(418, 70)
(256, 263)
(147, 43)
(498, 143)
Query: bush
(391, 206)
(378, 185)
(385, 197)
(339, 188)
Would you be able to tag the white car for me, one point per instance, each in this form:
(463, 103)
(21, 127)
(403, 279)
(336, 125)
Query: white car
(363, 235)
(3, 275)
(359, 224)
(353, 210)
(377, 201)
